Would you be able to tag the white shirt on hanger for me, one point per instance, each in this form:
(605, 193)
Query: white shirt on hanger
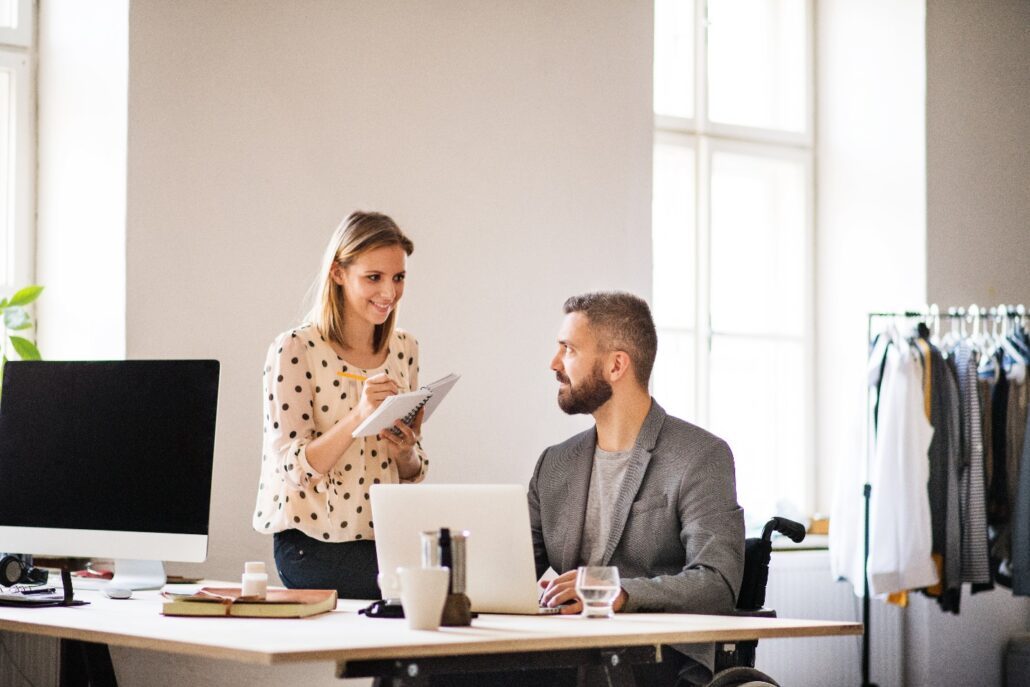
(900, 535)
(847, 524)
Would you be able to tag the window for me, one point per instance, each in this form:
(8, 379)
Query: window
(16, 143)
(732, 236)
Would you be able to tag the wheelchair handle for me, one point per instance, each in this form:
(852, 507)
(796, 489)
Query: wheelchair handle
(793, 530)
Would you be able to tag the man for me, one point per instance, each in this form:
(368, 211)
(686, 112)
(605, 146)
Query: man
(642, 491)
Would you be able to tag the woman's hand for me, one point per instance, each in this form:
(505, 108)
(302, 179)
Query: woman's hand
(399, 446)
(374, 391)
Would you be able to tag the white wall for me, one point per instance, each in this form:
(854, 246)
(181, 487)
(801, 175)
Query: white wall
(870, 256)
(978, 159)
(511, 140)
(83, 99)
(871, 210)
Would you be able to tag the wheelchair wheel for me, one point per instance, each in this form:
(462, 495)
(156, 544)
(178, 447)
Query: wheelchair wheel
(742, 677)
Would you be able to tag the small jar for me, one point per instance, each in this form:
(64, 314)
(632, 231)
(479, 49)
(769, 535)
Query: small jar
(255, 579)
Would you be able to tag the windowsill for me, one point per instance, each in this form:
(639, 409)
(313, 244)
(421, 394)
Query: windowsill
(812, 542)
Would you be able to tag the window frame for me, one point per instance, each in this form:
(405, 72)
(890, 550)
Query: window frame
(16, 55)
(22, 33)
(707, 138)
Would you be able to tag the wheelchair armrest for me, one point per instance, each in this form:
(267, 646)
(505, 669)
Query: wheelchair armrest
(753, 613)
(740, 654)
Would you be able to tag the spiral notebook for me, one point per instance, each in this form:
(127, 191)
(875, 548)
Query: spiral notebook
(406, 406)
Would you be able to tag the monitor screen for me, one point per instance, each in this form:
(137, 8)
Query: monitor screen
(109, 459)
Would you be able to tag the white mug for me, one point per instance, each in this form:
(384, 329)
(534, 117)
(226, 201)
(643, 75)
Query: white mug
(423, 593)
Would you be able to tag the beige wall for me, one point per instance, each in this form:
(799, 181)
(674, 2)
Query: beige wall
(978, 155)
(978, 251)
(511, 140)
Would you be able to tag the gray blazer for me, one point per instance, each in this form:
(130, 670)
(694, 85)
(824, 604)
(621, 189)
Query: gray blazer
(678, 533)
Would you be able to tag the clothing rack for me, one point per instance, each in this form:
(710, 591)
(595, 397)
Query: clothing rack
(975, 315)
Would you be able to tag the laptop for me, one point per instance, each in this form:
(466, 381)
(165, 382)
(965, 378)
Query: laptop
(500, 573)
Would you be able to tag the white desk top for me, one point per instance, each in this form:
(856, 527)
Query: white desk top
(343, 635)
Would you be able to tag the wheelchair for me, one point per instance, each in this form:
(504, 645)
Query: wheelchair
(735, 662)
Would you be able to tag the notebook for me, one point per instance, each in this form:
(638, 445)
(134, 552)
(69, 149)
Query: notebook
(225, 601)
(406, 406)
(500, 571)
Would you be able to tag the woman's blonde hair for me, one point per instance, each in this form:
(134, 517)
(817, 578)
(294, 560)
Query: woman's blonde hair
(359, 233)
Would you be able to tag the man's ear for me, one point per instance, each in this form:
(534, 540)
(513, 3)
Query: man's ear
(619, 365)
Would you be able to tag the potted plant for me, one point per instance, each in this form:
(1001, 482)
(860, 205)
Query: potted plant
(15, 319)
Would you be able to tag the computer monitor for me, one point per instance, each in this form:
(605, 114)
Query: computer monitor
(108, 459)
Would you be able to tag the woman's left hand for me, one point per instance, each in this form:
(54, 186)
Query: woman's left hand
(399, 447)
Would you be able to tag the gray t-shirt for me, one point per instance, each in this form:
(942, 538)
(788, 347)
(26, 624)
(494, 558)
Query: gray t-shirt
(606, 479)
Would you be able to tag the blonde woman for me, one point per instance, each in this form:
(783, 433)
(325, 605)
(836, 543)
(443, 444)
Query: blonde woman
(321, 380)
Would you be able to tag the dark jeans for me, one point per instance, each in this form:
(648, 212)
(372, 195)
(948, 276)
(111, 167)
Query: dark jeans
(348, 567)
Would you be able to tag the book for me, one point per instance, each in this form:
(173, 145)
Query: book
(406, 406)
(225, 601)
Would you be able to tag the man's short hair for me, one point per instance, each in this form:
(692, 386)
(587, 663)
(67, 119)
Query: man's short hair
(621, 322)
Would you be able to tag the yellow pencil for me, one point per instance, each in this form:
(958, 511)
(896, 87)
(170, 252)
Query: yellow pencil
(351, 375)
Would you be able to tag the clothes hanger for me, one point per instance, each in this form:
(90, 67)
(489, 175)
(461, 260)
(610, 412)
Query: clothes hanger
(954, 336)
(1021, 333)
(1005, 339)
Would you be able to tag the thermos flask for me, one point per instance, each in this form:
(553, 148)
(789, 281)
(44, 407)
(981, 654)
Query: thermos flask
(446, 548)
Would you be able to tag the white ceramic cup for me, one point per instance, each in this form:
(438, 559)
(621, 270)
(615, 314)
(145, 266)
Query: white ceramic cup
(423, 593)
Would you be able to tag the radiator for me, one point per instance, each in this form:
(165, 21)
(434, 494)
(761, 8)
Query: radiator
(800, 586)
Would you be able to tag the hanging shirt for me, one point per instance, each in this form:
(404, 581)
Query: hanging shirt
(946, 460)
(900, 533)
(847, 532)
(1021, 521)
(975, 563)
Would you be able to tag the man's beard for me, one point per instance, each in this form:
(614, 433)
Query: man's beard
(588, 396)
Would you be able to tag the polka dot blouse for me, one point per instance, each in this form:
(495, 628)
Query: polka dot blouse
(304, 397)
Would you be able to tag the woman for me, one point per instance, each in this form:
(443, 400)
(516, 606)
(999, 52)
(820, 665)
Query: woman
(315, 477)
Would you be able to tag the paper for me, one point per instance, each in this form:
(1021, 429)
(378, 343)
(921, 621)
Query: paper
(391, 409)
(405, 406)
(439, 389)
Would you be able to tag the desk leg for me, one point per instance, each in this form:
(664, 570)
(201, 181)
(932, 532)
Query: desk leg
(615, 670)
(595, 666)
(86, 664)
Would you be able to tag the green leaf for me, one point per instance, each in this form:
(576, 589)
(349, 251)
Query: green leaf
(26, 295)
(16, 318)
(25, 349)
(3, 303)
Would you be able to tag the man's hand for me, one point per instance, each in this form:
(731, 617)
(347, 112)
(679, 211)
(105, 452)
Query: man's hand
(561, 591)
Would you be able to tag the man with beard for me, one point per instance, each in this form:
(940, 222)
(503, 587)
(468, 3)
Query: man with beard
(642, 491)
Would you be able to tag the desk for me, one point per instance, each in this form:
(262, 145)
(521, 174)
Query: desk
(357, 643)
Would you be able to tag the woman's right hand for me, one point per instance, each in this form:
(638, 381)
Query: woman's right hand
(375, 390)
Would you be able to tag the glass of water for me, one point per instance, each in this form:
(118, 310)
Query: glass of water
(597, 587)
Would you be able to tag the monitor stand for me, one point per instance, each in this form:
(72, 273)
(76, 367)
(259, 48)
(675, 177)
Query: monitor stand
(137, 574)
(69, 593)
